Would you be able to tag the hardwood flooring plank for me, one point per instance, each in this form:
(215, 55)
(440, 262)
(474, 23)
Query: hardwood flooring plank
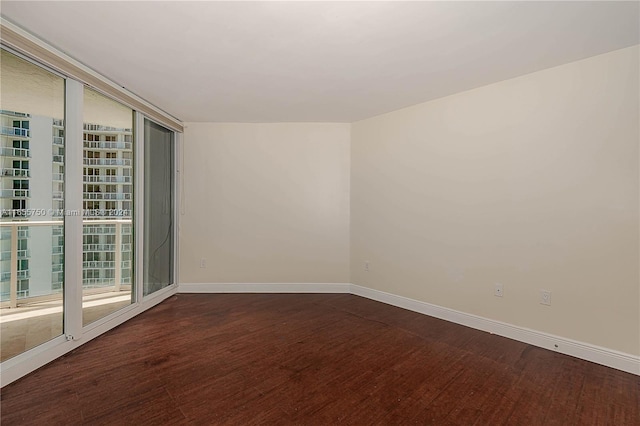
(313, 359)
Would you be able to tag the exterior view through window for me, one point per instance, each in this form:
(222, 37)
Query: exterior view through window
(107, 235)
(32, 148)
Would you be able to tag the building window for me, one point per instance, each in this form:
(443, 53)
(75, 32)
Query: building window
(20, 184)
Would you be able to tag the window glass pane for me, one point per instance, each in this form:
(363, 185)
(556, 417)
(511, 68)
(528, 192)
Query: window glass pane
(108, 167)
(158, 207)
(31, 193)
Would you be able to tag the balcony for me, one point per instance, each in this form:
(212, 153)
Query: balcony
(100, 128)
(58, 158)
(5, 233)
(106, 196)
(15, 131)
(21, 275)
(14, 113)
(98, 230)
(38, 319)
(15, 152)
(15, 228)
(107, 179)
(107, 162)
(100, 214)
(14, 193)
(15, 172)
(98, 247)
(21, 254)
(99, 264)
(57, 140)
(111, 145)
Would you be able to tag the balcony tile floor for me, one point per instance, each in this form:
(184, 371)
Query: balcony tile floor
(26, 327)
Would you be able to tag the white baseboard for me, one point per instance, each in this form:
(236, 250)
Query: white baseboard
(265, 288)
(604, 356)
(608, 357)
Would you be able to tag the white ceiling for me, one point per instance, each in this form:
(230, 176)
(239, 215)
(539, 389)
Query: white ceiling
(320, 61)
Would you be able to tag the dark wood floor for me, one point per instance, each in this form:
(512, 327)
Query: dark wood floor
(316, 360)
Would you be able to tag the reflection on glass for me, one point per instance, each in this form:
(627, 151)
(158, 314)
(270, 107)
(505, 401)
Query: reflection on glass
(158, 207)
(107, 239)
(31, 197)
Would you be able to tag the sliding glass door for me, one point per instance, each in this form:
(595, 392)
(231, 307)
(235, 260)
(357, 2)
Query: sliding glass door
(107, 235)
(32, 179)
(159, 195)
(87, 223)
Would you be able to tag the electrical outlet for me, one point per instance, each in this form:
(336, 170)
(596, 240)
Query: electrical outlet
(203, 263)
(366, 266)
(545, 297)
(498, 290)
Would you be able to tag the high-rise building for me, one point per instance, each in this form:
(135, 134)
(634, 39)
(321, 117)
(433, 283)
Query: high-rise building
(32, 187)
(108, 195)
(14, 195)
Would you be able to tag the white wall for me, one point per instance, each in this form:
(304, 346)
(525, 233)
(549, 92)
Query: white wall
(531, 182)
(265, 203)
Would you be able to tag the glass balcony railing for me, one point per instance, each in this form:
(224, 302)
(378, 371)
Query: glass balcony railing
(15, 131)
(108, 145)
(107, 274)
(14, 113)
(99, 264)
(15, 172)
(108, 213)
(107, 179)
(15, 152)
(107, 162)
(100, 128)
(97, 282)
(21, 274)
(6, 233)
(14, 193)
(98, 247)
(21, 254)
(106, 196)
(98, 230)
